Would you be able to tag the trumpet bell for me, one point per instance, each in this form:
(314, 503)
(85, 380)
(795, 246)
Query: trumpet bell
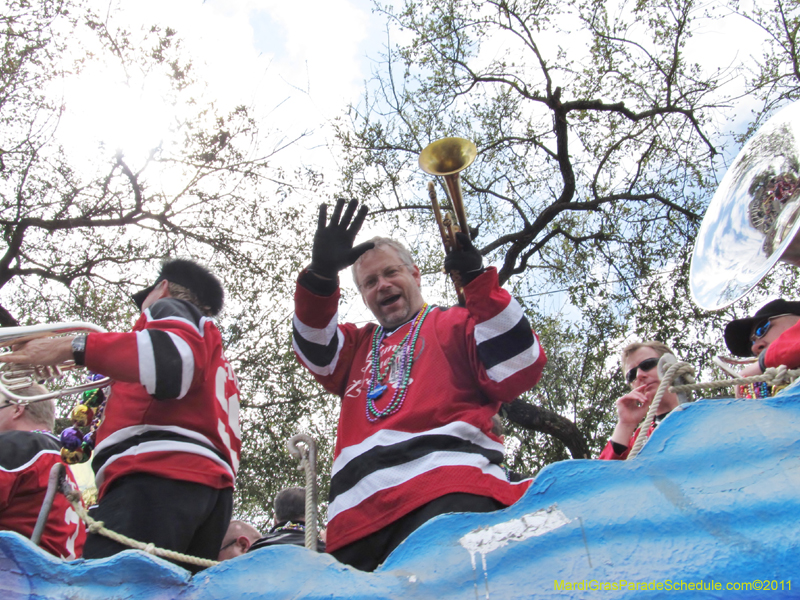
(447, 156)
(752, 221)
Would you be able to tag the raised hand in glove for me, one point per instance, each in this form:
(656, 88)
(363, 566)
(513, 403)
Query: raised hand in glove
(466, 260)
(333, 242)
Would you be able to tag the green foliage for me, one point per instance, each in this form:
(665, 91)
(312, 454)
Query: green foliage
(599, 141)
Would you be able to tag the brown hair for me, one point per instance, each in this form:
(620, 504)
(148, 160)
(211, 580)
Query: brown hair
(180, 292)
(659, 347)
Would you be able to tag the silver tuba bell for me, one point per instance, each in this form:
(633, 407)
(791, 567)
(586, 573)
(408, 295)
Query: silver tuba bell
(752, 221)
(16, 377)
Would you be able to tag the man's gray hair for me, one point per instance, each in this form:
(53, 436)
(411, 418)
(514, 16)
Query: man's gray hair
(290, 505)
(382, 242)
(40, 413)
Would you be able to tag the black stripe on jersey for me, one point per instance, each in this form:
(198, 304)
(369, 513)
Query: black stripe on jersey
(167, 308)
(317, 354)
(20, 447)
(101, 457)
(384, 457)
(506, 345)
(169, 365)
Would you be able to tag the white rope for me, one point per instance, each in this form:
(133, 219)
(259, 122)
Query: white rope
(308, 463)
(676, 368)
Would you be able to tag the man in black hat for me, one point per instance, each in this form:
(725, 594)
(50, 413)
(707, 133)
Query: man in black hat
(772, 334)
(168, 446)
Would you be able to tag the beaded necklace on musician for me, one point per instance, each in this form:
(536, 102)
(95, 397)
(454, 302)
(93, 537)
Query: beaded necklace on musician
(77, 447)
(403, 357)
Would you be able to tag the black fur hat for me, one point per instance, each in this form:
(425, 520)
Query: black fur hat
(193, 277)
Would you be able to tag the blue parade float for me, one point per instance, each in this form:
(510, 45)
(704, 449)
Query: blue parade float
(709, 509)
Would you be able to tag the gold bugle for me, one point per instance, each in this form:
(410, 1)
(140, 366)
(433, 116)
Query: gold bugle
(446, 158)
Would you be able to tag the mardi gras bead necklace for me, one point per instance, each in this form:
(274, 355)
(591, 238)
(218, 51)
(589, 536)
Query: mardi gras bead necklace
(759, 389)
(75, 446)
(404, 353)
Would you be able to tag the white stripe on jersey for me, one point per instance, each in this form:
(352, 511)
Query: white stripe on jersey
(500, 323)
(389, 437)
(147, 361)
(31, 461)
(514, 364)
(187, 362)
(323, 336)
(397, 475)
(163, 446)
(324, 370)
(127, 432)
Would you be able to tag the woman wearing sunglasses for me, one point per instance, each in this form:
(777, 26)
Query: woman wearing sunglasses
(772, 335)
(639, 362)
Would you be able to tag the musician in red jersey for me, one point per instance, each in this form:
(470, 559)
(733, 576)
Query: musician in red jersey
(168, 447)
(418, 390)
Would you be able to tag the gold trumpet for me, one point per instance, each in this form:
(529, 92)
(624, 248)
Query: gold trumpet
(446, 158)
(16, 377)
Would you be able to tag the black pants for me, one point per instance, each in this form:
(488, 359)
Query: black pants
(369, 552)
(176, 515)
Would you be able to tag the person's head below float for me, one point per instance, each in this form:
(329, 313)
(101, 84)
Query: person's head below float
(638, 361)
(238, 539)
(290, 505)
(289, 521)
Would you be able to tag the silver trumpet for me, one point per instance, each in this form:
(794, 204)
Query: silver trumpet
(17, 377)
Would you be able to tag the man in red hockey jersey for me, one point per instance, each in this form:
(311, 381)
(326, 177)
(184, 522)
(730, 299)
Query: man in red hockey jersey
(28, 450)
(418, 391)
(168, 447)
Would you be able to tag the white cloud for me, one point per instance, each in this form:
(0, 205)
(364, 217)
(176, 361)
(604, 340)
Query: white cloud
(295, 65)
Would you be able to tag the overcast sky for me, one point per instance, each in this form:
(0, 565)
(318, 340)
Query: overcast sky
(295, 64)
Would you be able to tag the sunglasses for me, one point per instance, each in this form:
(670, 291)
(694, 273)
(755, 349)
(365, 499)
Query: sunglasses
(645, 365)
(760, 331)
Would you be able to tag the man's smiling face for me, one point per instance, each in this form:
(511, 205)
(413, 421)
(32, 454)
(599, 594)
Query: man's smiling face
(389, 288)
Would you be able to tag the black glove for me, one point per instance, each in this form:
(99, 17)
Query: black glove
(333, 243)
(466, 260)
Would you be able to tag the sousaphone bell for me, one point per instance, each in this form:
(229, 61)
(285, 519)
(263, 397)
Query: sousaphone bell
(752, 221)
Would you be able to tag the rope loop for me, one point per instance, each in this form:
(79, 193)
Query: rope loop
(308, 463)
